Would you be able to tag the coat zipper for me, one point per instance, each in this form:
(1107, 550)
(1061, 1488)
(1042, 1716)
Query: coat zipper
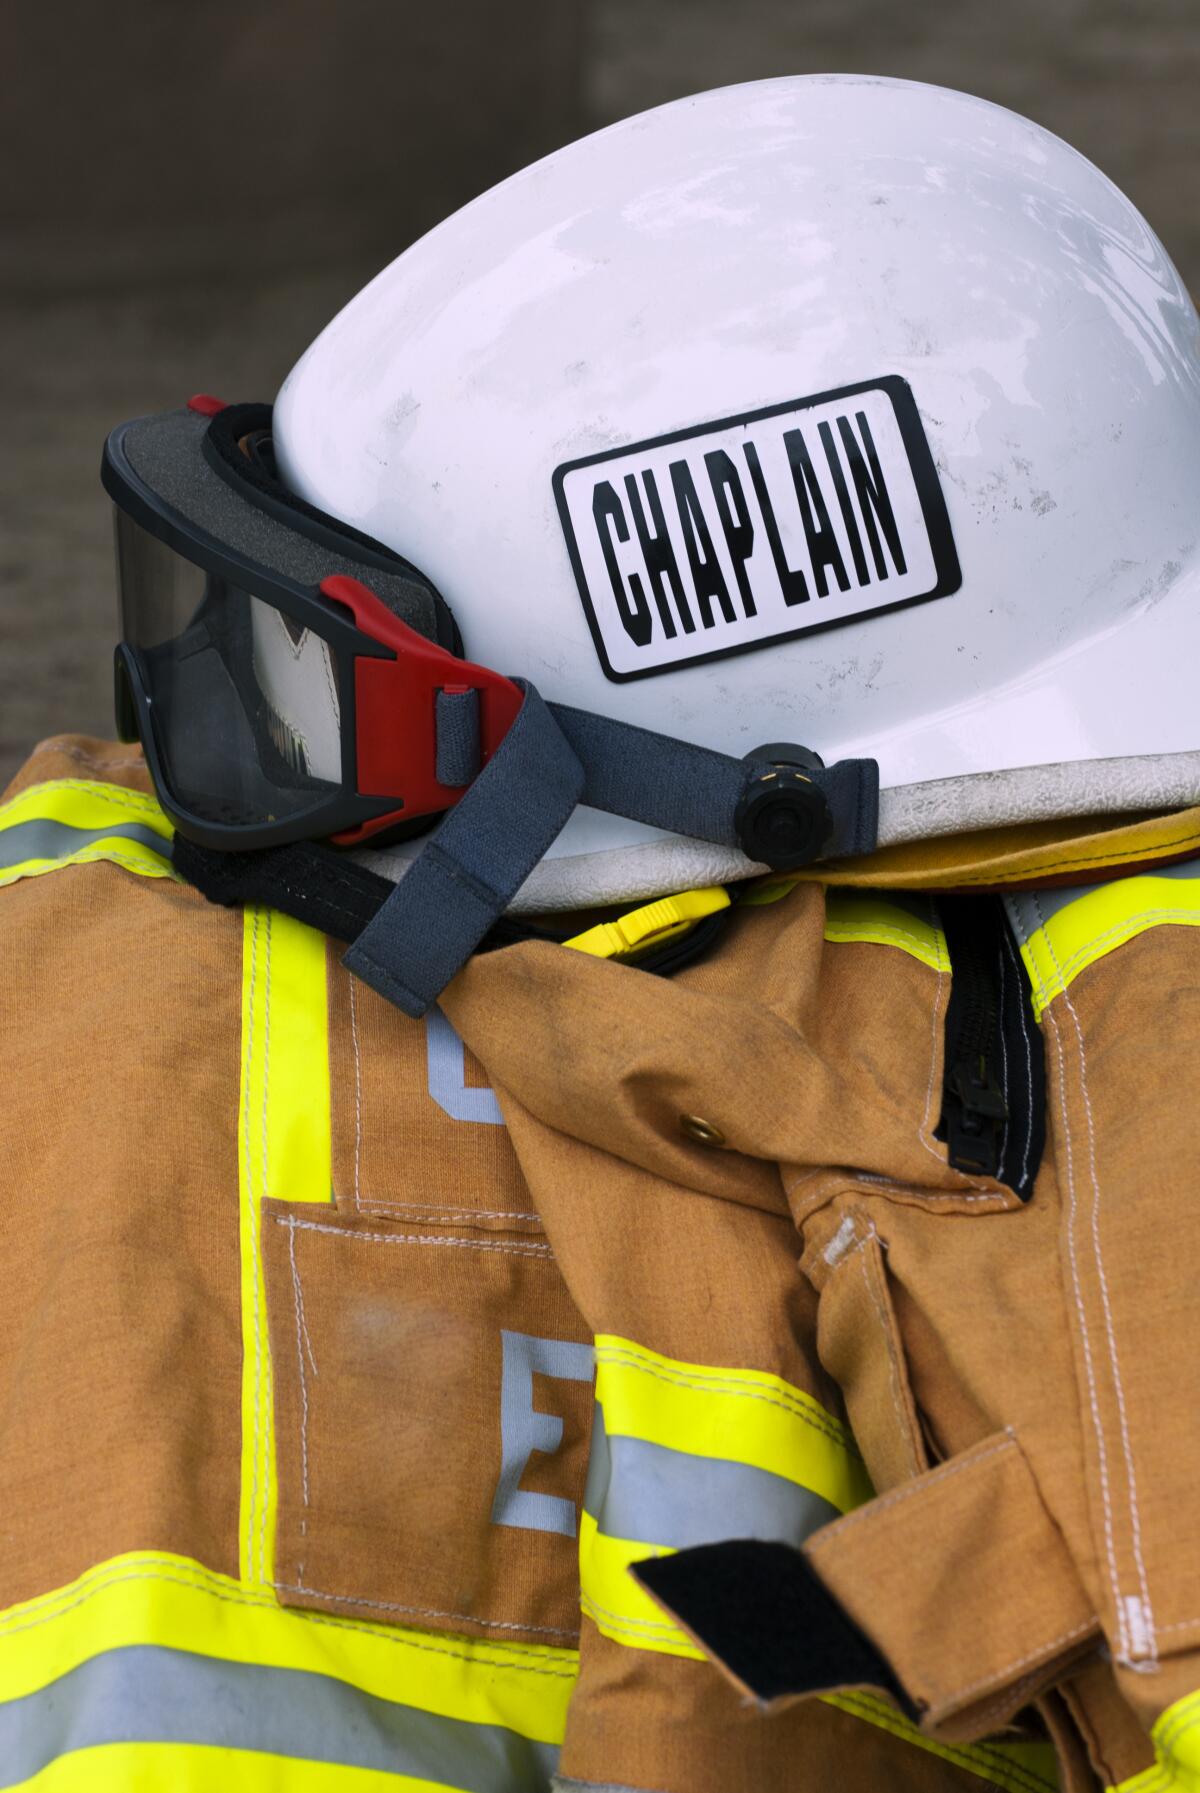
(993, 1096)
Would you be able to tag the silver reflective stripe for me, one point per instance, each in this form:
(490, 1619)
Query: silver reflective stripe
(446, 1068)
(559, 1785)
(1029, 913)
(524, 1429)
(58, 840)
(653, 1495)
(146, 1694)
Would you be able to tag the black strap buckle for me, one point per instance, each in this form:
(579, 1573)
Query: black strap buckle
(783, 819)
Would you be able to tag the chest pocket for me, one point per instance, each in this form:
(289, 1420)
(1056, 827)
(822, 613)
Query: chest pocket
(432, 1379)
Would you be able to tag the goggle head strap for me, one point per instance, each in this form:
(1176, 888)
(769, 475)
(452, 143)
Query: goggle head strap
(783, 815)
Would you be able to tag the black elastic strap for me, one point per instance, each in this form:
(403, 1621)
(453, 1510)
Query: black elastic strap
(314, 883)
(328, 890)
(410, 939)
(763, 1612)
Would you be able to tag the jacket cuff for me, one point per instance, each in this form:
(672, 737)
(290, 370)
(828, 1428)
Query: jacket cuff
(954, 1594)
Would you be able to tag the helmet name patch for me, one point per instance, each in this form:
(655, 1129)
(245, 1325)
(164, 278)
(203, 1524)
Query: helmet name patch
(756, 528)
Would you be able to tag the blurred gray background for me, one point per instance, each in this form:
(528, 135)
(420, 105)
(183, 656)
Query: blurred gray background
(190, 188)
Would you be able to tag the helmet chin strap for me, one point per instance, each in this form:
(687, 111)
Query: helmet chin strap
(784, 811)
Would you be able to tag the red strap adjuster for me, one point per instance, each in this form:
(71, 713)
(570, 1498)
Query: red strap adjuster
(395, 703)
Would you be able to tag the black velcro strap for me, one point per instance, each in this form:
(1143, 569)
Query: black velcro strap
(763, 1613)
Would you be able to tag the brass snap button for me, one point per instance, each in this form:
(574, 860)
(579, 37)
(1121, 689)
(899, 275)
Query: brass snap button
(702, 1131)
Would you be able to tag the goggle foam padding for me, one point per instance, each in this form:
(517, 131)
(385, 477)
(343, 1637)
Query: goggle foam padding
(270, 530)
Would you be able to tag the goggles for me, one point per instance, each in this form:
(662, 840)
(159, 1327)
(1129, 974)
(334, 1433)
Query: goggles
(288, 677)
(294, 682)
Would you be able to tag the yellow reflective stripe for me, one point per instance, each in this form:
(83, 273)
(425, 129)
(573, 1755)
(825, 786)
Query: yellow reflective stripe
(198, 1768)
(769, 890)
(83, 803)
(283, 1152)
(651, 925)
(154, 1597)
(739, 1415)
(88, 809)
(615, 1603)
(1018, 1767)
(1059, 940)
(865, 915)
(750, 1417)
(1176, 1735)
(625, 1613)
(868, 916)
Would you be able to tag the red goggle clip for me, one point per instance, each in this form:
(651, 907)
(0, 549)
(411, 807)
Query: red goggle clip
(395, 702)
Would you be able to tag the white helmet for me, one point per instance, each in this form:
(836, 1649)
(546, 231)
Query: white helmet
(846, 411)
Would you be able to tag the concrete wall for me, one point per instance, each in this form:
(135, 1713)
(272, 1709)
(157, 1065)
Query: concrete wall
(190, 188)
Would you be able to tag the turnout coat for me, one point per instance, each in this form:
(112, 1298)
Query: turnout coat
(781, 1374)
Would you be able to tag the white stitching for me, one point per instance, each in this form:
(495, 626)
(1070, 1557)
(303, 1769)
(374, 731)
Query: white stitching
(418, 1210)
(1010, 1698)
(737, 1391)
(425, 1612)
(925, 1196)
(298, 1587)
(1044, 1653)
(266, 1183)
(96, 854)
(126, 799)
(590, 1605)
(889, 1342)
(247, 1164)
(358, 1128)
(720, 1382)
(524, 1248)
(1073, 1259)
(1084, 957)
(955, 1466)
(1110, 1331)
(301, 1341)
(203, 1582)
(851, 1182)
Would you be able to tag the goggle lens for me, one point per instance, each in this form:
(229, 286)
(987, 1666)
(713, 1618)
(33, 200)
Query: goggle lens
(245, 701)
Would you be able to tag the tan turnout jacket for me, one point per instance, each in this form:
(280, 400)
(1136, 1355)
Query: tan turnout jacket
(349, 1365)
